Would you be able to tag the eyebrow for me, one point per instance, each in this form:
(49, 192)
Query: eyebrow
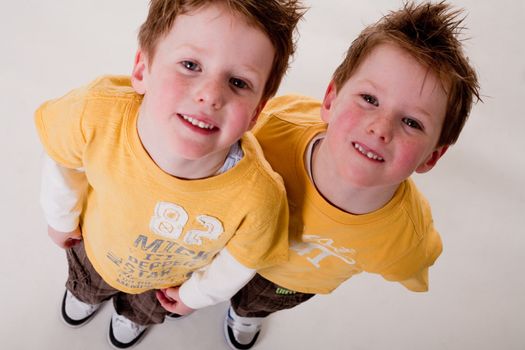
(250, 68)
(369, 82)
(375, 86)
(423, 111)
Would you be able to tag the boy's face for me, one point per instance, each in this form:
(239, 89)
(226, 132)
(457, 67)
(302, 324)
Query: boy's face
(203, 88)
(385, 121)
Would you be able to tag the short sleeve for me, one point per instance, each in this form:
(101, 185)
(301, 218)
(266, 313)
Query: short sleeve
(412, 269)
(59, 126)
(262, 240)
(418, 282)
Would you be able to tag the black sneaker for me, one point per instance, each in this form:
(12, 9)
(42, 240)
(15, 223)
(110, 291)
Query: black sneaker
(124, 333)
(241, 332)
(76, 313)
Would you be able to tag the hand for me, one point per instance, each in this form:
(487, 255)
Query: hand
(170, 300)
(65, 240)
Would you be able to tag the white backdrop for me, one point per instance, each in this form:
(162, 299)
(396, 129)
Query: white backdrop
(477, 296)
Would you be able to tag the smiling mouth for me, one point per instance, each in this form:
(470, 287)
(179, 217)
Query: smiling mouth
(369, 154)
(197, 123)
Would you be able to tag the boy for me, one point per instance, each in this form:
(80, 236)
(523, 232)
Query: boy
(395, 104)
(141, 173)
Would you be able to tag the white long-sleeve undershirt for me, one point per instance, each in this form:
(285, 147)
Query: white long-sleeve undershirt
(62, 194)
(62, 197)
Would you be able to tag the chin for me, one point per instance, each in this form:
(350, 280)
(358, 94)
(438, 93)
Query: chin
(198, 154)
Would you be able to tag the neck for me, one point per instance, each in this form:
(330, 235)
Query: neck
(181, 168)
(175, 165)
(347, 197)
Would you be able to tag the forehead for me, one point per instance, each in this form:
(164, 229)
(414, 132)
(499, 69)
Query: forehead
(389, 63)
(202, 13)
(385, 55)
(216, 25)
(220, 41)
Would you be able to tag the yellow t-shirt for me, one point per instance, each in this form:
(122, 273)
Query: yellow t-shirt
(143, 228)
(328, 245)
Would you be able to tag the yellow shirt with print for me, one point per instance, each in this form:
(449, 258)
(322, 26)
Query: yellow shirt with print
(143, 228)
(328, 245)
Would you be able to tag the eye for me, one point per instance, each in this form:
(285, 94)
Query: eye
(238, 83)
(189, 65)
(370, 99)
(412, 123)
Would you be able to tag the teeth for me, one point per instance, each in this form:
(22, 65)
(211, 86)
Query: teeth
(197, 123)
(368, 154)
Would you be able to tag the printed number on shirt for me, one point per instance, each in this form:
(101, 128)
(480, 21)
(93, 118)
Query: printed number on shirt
(170, 219)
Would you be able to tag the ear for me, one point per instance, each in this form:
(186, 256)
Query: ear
(256, 113)
(329, 96)
(431, 160)
(137, 74)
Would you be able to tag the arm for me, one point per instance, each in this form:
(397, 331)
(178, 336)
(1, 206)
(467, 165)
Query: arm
(62, 196)
(213, 284)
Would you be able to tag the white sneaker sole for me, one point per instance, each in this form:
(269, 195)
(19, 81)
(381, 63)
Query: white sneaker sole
(131, 345)
(75, 323)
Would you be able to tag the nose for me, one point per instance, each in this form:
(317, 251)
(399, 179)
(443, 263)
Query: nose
(381, 127)
(210, 93)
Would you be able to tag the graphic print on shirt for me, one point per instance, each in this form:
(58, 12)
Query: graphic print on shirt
(317, 248)
(169, 221)
(154, 262)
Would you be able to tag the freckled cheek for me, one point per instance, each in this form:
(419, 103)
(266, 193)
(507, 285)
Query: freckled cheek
(169, 96)
(406, 160)
(411, 155)
(173, 85)
(241, 117)
(348, 117)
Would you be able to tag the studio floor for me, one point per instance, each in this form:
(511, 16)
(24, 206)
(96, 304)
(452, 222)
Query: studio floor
(477, 286)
